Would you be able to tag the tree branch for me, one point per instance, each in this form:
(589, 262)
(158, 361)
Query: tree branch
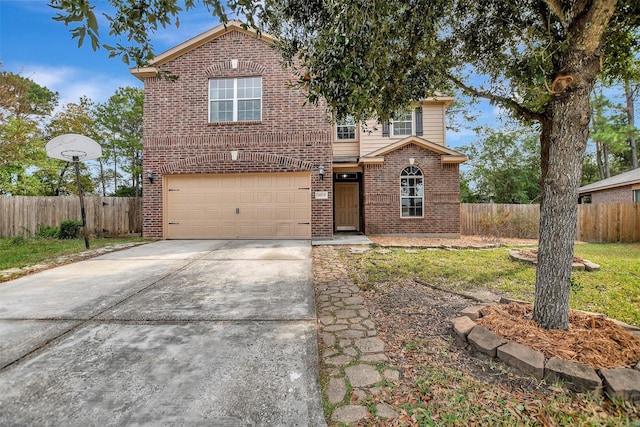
(556, 8)
(508, 102)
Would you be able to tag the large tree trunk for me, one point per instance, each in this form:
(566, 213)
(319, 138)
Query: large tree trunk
(628, 91)
(565, 131)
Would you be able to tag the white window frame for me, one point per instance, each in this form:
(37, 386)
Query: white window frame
(636, 195)
(347, 122)
(234, 100)
(410, 121)
(412, 173)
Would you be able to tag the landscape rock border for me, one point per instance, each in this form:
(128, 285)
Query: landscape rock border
(622, 383)
(579, 264)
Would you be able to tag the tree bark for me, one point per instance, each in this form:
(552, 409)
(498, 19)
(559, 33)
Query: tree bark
(563, 140)
(565, 130)
(599, 160)
(629, 95)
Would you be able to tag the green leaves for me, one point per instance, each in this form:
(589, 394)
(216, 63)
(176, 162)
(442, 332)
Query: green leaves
(505, 167)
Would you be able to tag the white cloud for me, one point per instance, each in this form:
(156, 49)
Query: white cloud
(72, 82)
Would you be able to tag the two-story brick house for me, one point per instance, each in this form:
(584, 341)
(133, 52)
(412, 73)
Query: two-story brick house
(232, 151)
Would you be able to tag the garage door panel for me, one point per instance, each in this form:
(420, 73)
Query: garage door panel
(239, 206)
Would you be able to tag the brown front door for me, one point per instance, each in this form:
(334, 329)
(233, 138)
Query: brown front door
(347, 209)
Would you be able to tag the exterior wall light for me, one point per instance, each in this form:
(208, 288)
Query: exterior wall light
(150, 175)
(321, 172)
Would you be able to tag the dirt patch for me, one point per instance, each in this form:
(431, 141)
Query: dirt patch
(591, 340)
(414, 321)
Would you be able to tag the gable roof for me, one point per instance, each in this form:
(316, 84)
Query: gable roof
(152, 69)
(447, 155)
(627, 178)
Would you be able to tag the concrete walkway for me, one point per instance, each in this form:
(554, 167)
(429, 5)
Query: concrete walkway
(218, 333)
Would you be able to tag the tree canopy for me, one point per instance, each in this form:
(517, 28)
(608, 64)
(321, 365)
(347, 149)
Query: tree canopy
(368, 58)
(504, 167)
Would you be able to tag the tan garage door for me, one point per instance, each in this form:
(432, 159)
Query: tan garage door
(238, 206)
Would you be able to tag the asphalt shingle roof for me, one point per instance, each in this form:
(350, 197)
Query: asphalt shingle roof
(627, 178)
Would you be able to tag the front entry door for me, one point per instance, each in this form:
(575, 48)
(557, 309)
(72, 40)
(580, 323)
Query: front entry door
(347, 206)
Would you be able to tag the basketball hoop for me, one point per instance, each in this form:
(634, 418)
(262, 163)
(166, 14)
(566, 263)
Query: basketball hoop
(72, 147)
(75, 148)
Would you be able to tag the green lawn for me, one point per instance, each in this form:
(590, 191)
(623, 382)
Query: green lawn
(614, 290)
(15, 253)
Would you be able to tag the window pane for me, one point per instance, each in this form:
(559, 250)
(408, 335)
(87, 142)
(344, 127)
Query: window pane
(221, 111)
(402, 124)
(250, 88)
(248, 110)
(346, 131)
(235, 99)
(221, 89)
(411, 192)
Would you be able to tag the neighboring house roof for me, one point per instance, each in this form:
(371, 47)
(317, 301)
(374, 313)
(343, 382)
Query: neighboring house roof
(152, 69)
(627, 178)
(447, 155)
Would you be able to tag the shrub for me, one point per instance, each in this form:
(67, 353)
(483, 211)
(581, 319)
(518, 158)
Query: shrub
(70, 229)
(47, 231)
(20, 239)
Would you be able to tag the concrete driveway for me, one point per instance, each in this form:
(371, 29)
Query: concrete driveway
(219, 333)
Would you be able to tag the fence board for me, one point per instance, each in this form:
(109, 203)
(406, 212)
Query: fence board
(106, 216)
(597, 223)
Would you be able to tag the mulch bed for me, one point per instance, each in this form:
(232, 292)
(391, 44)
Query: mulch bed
(591, 340)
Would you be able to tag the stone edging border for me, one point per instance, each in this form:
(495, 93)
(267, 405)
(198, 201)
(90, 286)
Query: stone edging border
(584, 265)
(623, 383)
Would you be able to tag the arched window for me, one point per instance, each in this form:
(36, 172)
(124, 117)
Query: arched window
(411, 193)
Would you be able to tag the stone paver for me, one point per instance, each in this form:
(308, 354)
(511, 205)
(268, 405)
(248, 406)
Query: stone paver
(485, 341)
(576, 376)
(385, 410)
(622, 383)
(348, 336)
(336, 390)
(362, 375)
(349, 414)
(523, 358)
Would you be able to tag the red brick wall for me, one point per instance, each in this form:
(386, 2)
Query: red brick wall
(441, 190)
(613, 195)
(178, 139)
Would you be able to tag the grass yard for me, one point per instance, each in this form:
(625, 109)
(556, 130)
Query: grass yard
(441, 382)
(21, 252)
(614, 290)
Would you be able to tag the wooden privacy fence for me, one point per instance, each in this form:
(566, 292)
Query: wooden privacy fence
(106, 216)
(615, 222)
(600, 223)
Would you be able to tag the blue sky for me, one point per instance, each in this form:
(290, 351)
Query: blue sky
(37, 47)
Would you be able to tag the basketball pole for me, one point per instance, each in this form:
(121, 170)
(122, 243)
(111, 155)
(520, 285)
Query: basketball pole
(76, 162)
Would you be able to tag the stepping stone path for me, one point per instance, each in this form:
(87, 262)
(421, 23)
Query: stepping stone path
(353, 361)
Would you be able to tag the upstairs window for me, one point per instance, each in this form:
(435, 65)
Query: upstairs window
(411, 193)
(235, 100)
(402, 125)
(346, 129)
(636, 196)
(406, 123)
